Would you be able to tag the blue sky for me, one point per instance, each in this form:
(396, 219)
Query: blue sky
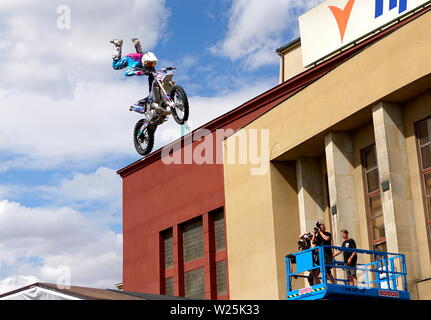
(65, 128)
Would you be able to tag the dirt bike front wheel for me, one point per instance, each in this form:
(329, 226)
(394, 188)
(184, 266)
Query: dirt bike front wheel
(180, 112)
(143, 138)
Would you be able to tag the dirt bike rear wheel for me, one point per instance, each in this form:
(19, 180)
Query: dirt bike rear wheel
(181, 110)
(145, 141)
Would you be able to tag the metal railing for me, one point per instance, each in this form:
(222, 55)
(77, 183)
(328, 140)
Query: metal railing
(374, 269)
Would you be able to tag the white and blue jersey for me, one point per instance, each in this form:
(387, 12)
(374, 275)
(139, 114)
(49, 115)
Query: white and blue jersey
(132, 62)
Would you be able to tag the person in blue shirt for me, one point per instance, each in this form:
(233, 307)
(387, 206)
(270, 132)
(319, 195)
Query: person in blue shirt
(132, 62)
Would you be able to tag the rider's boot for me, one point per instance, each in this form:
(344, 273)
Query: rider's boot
(138, 109)
(138, 46)
(118, 43)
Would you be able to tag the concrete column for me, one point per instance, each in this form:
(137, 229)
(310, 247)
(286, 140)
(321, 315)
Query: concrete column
(341, 185)
(394, 177)
(285, 221)
(310, 193)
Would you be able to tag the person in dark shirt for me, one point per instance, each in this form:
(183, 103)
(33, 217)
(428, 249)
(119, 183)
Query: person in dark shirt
(323, 238)
(350, 258)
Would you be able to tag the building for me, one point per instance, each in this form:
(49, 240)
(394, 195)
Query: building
(50, 291)
(349, 143)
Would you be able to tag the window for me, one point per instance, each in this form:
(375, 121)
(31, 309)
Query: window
(220, 257)
(199, 270)
(373, 199)
(423, 130)
(194, 283)
(221, 276)
(193, 241)
(169, 286)
(219, 230)
(167, 262)
(168, 248)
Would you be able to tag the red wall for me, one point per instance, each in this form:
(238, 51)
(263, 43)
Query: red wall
(156, 198)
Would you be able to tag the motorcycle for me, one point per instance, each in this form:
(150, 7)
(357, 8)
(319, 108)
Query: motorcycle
(165, 99)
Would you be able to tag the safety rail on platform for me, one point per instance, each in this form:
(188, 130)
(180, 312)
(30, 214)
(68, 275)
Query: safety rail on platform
(377, 275)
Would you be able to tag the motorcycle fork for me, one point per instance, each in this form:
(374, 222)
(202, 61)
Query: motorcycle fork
(167, 97)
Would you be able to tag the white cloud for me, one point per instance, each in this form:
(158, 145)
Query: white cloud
(41, 241)
(256, 29)
(41, 58)
(104, 185)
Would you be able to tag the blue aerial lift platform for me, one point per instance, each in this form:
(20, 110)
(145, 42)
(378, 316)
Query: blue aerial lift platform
(380, 275)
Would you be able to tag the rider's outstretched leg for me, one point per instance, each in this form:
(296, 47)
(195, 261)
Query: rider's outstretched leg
(137, 43)
(118, 43)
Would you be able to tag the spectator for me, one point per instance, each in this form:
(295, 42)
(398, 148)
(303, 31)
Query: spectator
(350, 258)
(304, 243)
(323, 238)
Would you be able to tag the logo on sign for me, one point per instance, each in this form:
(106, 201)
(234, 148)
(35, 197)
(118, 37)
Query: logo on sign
(342, 16)
(401, 4)
(334, 24)
(386, 293)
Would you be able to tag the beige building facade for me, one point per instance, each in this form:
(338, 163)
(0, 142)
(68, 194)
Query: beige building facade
(353, 150)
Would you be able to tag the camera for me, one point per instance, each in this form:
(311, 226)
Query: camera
(304, 242)
(317, 227)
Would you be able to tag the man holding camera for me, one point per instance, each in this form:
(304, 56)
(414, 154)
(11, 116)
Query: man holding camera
(323, 238)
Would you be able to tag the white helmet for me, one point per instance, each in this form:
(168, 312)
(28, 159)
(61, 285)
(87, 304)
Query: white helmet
(149, 60)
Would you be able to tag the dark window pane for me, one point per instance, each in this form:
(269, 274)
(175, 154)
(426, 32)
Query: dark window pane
(375, 203)
(381, 247)
(426, 157)
(378, 228)
(219, 230)
(424, 129)
(168, 248)
(373, 180)
(370, 158)
(169, 286)
(194, 284)
(427, 178)
(193, 247)
(221, 278)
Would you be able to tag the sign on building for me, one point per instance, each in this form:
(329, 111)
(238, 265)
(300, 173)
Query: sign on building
(338, 23)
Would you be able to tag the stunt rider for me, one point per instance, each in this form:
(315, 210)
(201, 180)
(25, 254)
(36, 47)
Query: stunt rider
(134, 62)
